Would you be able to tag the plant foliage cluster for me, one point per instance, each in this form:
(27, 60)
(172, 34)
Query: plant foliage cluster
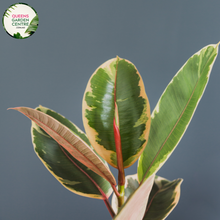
(119, 131)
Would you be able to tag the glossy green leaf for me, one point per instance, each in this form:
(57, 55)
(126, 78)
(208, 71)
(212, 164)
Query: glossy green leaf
(175, 109)
(163, 198)
(66, 169)
(115, 92)
(134, 208)
(70, 141)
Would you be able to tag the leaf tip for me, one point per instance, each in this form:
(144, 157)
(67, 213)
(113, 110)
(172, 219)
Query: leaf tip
(180, 180)
(15, 108)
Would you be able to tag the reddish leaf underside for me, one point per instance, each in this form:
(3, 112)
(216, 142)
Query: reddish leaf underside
(70, 142)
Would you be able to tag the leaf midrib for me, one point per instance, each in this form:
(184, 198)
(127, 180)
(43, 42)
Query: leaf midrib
(38, 122)
(86, 174)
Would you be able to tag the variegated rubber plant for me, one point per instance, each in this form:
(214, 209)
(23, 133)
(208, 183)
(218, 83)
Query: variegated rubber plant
(119, 131)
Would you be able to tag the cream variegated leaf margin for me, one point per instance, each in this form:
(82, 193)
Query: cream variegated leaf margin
(164, 197)
(116, 90)
(135, 206)
(175, 109)
(69, 141)
(72, 174)
(131, 184)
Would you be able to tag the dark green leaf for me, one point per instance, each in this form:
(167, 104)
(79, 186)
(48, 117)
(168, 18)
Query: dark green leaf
(163, 198)
(66, 169)
(116, 91)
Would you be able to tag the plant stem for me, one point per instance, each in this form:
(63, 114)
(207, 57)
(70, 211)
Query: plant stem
(109, 207)
(115, 191)
(121, 190)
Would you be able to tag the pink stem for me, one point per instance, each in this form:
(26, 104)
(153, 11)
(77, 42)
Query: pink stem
(121, 174)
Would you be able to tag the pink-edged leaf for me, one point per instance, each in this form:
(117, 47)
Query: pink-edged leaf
(135, 206)
(72, 174)
(73, 144)
(131, 184)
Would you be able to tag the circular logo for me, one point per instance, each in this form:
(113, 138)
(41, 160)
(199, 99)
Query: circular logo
(20, 20)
